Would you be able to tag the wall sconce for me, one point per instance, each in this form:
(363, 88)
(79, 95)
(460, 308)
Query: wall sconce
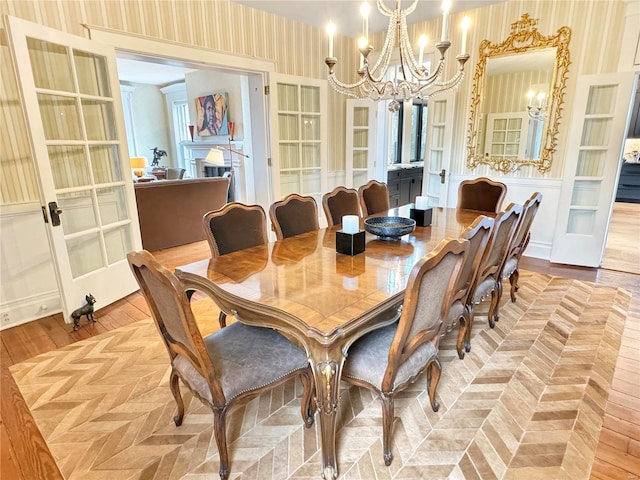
(137, 165)
(537, 112)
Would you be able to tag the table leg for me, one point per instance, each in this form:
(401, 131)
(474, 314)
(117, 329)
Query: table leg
(327, 374)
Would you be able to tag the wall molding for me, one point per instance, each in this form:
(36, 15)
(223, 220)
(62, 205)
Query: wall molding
(29, 308)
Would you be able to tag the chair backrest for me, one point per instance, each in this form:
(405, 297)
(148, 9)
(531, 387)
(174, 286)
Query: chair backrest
(175, 173)
(339, 202)
(495, 252)
(482, 194)
(477, 234)
(374, 198)
(235, 226)
(428, 298)
(171, 312)
(293, 215)
(522, 234)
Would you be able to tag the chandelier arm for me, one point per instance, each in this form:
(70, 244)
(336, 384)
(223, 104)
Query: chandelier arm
(383, 9)
(387, 50)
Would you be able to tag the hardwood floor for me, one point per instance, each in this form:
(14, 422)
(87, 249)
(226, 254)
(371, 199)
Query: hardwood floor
(25, 456)
(622, 251)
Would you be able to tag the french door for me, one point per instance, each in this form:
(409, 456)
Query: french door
(70, 91)
(594, 150)
(360, 142)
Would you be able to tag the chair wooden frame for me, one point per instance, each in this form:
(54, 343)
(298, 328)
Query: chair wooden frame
(488, 280)
(477, 234)
(284, 204)
(366, 211)
(406, 341)
(343, 192)
(477, 184)
(520, 242)
(195, 353)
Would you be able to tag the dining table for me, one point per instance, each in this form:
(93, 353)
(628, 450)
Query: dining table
(320, 299)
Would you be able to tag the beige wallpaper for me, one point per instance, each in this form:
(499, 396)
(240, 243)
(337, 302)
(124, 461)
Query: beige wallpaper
(298, 50)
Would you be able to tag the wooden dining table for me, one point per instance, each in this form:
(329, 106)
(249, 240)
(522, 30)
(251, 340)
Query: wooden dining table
(321, 299)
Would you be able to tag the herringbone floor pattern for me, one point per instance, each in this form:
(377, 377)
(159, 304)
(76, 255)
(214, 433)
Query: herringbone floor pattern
(526, 402)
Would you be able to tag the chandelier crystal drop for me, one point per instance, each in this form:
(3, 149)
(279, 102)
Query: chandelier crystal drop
(413, 79)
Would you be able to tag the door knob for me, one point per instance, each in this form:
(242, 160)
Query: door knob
(54, 212)
(442, 175)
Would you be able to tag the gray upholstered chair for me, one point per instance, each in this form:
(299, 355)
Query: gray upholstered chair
(391, 358)
(477, 234)
(235, 226)
(175, 173)
(520, 242)
(222, 369)
(339, 202)
(293, 215)
(488, 279)
(482, 194)
(374, 198)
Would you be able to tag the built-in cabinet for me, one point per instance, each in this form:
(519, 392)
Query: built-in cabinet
(634, 124)
(404, 184)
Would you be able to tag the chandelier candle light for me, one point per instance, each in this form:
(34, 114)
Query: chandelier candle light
(414, 80)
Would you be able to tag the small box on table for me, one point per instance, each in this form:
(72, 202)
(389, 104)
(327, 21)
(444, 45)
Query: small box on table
(422, 217)
(350, 243)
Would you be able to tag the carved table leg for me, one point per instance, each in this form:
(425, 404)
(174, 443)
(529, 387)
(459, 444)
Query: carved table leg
(326, 373)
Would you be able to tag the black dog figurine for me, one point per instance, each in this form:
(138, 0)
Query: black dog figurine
(84, 310)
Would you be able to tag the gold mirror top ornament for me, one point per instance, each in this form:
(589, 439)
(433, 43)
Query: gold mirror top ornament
(524, 38)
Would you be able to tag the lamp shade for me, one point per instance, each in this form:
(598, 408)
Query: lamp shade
(215, 157)
(138, 162)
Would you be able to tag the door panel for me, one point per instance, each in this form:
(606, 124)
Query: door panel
(594, 151)
(70, 91)
(437, 160)
(360, 142)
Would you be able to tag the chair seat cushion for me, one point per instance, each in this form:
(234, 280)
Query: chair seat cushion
(368, 358)
(456, 311)
(510, 266)
(246, 358)
(484, 289)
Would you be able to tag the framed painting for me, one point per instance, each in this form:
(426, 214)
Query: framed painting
(212, 114)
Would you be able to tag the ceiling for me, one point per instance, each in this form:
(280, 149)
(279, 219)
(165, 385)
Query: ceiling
(345, 14)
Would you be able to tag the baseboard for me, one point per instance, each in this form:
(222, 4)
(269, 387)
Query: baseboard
(28, 309)
(539, 250)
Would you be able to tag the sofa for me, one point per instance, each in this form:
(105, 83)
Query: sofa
(170, 211)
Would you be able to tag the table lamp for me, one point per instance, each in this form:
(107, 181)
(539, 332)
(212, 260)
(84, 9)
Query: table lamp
(215, 157)
(137, 165)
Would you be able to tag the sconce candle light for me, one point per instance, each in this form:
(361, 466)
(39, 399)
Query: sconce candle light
(538, 112)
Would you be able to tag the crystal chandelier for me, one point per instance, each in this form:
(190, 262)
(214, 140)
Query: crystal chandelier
(414, 80)
(537, 112)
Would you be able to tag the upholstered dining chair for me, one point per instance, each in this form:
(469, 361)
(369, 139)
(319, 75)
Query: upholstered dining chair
(482, 194)
(234, 227)
(293, 215)
(486, 282)
(389, 359)
(520, 241)
(374, 198)
(175, 173)
(339, 202)
(477, 234)
(225, 368)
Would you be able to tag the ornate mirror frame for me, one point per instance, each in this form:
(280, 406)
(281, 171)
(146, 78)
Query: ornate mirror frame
(524, 38)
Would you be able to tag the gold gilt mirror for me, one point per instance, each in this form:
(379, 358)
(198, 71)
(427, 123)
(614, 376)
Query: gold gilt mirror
(517, 97)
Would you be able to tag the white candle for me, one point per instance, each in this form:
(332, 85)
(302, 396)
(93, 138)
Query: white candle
(422, 203)
(362, 43)
(351, 224)
(530, 96)
(446, 5)
(364, 11)
(331, 29)
(540, 99)
(465, 26)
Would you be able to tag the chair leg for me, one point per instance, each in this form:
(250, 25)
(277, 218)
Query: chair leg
(434, 369)
(307, 404)
(465, 326)
(387, 427)
(175, 390)
(513, 280)
(222, 319)
(494, 313)
(220, 432)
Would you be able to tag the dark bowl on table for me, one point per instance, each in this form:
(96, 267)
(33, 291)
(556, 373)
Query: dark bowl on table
(389, 228)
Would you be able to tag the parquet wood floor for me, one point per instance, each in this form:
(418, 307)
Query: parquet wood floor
(622, 251)
(25, 454)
